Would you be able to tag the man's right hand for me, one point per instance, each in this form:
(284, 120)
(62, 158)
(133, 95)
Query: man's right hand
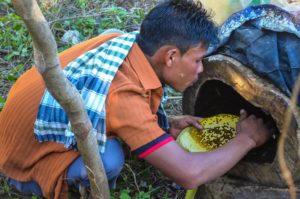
(254, 128)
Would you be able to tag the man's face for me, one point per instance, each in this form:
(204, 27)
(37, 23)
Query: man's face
(186, 68)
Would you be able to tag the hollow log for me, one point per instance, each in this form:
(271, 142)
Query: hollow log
(226, 86)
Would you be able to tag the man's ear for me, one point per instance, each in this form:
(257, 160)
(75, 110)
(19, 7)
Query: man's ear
(171, 55)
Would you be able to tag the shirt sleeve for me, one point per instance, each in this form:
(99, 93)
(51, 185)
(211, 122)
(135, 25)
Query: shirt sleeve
(130, 116)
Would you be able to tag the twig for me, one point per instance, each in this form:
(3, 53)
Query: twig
(2, 61)
(4, 51)
(286, 174)
(174, 97)
(75, 17)
(93, 177)
(134, 177)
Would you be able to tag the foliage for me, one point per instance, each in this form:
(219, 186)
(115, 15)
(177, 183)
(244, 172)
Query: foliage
(81, 3)
(14, 37)
(139, 180)
(2, 102)
(16, 44)
(15, 47)
(92, 25)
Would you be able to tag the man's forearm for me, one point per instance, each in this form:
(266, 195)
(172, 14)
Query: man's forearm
(192, 169)
(217, 162)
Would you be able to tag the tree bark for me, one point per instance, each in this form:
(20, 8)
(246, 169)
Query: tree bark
(47, 63)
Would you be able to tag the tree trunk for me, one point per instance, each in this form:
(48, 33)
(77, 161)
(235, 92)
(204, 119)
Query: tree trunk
(47, 63)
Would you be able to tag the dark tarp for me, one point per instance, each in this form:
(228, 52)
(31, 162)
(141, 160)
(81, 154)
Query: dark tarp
(266, 39)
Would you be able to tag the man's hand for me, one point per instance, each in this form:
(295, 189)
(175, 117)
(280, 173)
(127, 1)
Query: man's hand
(177, 123)
(192, 169)
(254, 128)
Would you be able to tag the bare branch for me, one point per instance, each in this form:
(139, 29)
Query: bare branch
(4, 51)
(75, 17)
(47, 63)
(285, 172)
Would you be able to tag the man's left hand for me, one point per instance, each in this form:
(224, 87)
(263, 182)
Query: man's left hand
(177, 123)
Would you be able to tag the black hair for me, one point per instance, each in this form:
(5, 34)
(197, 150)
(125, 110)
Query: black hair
(182, 23)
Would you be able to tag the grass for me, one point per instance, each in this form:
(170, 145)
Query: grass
(138, 179)
(88, 18)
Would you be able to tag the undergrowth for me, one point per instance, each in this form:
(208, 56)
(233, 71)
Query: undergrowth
(88, 18)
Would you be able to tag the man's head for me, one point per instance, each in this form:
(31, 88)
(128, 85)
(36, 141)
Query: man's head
(169, 32)
(181, 23)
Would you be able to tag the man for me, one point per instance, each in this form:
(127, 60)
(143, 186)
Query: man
(169, 50)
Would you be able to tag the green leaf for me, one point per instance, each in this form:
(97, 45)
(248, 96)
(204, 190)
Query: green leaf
(12, 77)
(124, 194)
(143, 195)
(81, 3)
(67, 23)
(2, 102)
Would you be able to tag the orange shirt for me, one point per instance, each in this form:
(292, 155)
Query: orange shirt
(131, 106)
(132, 103)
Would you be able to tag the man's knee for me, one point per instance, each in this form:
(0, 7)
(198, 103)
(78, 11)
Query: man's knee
(113, 158)
(77, 173)
(113, 161)
(113, 167)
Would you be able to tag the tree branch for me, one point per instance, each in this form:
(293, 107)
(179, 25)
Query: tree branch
(75, 17)
(47, 63)
(285, 171)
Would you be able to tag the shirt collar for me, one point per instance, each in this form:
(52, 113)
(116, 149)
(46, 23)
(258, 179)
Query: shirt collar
(143, 69)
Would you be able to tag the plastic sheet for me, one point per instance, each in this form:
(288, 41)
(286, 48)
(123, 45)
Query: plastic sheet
(266, 39)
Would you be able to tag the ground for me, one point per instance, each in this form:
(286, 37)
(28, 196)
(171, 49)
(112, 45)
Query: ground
(138, 179)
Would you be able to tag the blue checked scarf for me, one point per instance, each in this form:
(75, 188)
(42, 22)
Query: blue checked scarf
(91, 74)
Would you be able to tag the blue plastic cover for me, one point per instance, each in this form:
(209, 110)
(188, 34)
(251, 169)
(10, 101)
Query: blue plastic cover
(266, 39)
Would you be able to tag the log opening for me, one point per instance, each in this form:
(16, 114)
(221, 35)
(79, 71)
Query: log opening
(216, 97)
(226, 86)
